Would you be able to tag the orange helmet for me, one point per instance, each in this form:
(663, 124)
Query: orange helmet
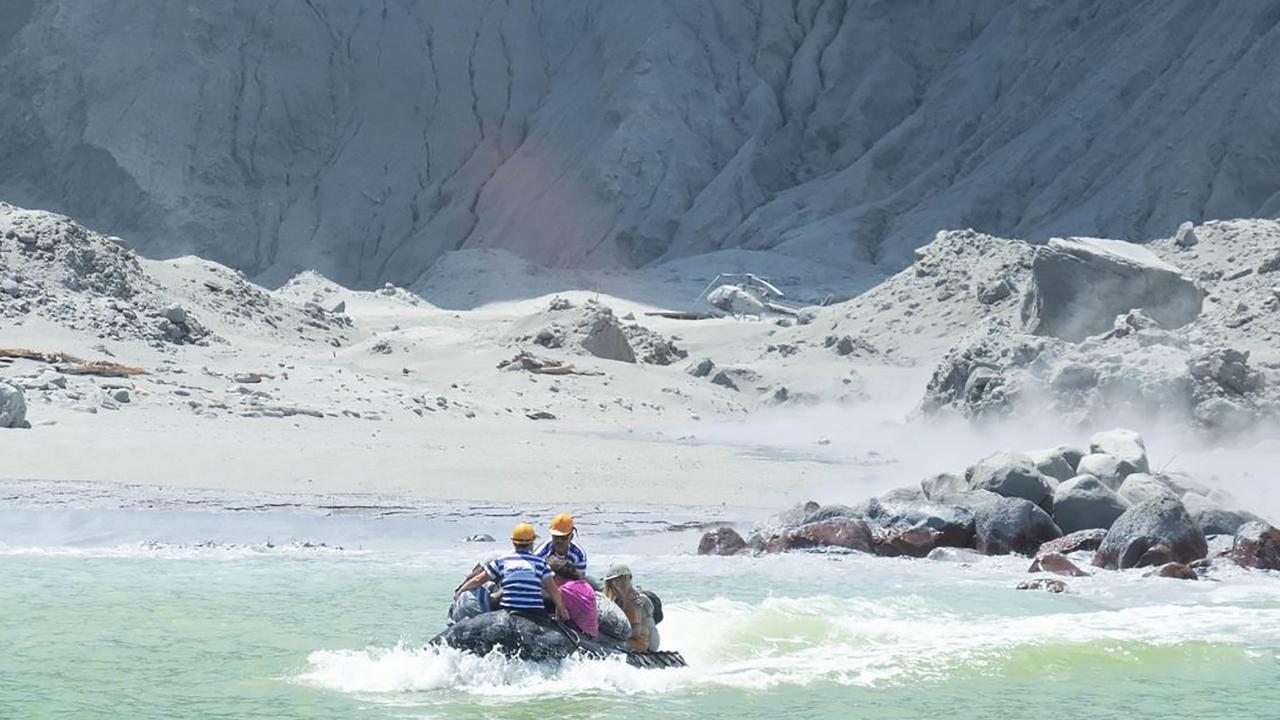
(562, 525)
(524, 534)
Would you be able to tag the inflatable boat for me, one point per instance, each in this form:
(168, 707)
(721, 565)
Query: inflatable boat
(543, 639)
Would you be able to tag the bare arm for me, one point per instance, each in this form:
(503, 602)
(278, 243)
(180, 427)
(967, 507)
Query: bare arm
(480, 577)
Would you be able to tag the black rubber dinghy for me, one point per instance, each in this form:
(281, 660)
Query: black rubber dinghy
(540, 638)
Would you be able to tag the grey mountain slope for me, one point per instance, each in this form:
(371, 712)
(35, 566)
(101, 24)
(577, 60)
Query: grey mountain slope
(366, 139)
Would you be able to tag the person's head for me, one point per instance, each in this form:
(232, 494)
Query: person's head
(523, 536)
(618, 578)
(562, 532)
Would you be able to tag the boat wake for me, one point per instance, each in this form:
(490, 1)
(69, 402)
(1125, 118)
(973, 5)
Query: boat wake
(827, 640)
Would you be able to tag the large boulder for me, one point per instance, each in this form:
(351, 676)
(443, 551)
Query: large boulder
(847, 533)
(13, 406)
(950, 525)
(1213, 518)
(1107, 468)
(722, 541)
(1080, 285)
(1084, 503)
(1126, 446)
(1141, 486)
(1153, 532)
(1012, 525)
(1058, 463)
(1257, 545)
(1012, 475)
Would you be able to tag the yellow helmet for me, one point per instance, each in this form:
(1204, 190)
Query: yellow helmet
(524, 534)
(562, 525)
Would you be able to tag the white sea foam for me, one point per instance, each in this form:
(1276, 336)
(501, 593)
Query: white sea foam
(799, 641)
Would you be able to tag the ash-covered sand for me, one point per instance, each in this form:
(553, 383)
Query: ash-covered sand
(538, 383)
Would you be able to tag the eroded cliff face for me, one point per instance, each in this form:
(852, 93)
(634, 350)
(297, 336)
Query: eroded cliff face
(364, 139)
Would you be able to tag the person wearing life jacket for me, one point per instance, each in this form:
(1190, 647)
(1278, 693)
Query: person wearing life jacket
(637, 606)
(569, 563)
(525, 580)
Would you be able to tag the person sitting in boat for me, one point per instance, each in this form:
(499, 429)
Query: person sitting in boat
(564, 556)
(637, 606)
(524, 578)
(569, 563)
(475, 601)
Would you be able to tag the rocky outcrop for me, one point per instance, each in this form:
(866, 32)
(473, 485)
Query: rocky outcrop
(1079, 286)
(1084, 503)
(721, 541)
(1012, 525)
(1153, 532)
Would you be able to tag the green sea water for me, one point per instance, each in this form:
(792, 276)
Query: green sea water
(95, 624)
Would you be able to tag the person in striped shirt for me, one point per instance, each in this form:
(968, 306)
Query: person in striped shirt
(563, 555)
(523, 577)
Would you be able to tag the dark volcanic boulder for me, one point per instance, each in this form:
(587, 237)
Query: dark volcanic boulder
(1055, 563)
(1012, 475)
(848, 533)
(1081, 540)
(1257, 545)
(509, 634)
(722, 541)
(952, 525)
(1153, 532)
(1083, 503)
(1012, 525)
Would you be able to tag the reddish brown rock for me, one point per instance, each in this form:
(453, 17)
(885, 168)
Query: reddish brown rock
(848, 533)
(1055, 563)
(1177, 571)
(1077, 541)
(1045, 584)
(722, 541)
(1257, 545)
(914, 542)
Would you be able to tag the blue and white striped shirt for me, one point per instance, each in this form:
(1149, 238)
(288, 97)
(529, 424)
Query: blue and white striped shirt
(520, 574)
(575, 556)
